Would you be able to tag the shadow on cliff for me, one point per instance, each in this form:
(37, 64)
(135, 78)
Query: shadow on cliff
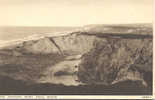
(9, 86)
(120, 35)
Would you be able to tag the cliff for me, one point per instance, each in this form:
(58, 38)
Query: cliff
(109, 55)
(114, 60)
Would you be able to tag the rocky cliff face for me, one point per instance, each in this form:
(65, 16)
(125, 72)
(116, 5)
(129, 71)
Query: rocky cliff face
(114, 60)
(72, 44)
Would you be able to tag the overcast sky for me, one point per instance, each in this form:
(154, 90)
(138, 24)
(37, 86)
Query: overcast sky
(74, 12)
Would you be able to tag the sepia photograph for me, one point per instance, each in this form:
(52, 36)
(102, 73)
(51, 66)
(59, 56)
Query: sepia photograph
(76, 47)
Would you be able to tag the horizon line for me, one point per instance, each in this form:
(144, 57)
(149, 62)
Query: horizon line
(73, 25)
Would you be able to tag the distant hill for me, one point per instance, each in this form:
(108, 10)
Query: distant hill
(119, 28)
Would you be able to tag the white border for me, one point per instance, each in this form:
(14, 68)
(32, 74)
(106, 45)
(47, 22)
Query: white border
(94, 96)
(73, 97)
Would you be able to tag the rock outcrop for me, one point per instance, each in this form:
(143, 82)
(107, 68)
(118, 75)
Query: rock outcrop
(114, 60)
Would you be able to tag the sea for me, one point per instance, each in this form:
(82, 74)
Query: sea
(10, 34)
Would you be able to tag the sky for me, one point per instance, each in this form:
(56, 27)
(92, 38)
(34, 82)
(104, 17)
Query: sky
(74, 12)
